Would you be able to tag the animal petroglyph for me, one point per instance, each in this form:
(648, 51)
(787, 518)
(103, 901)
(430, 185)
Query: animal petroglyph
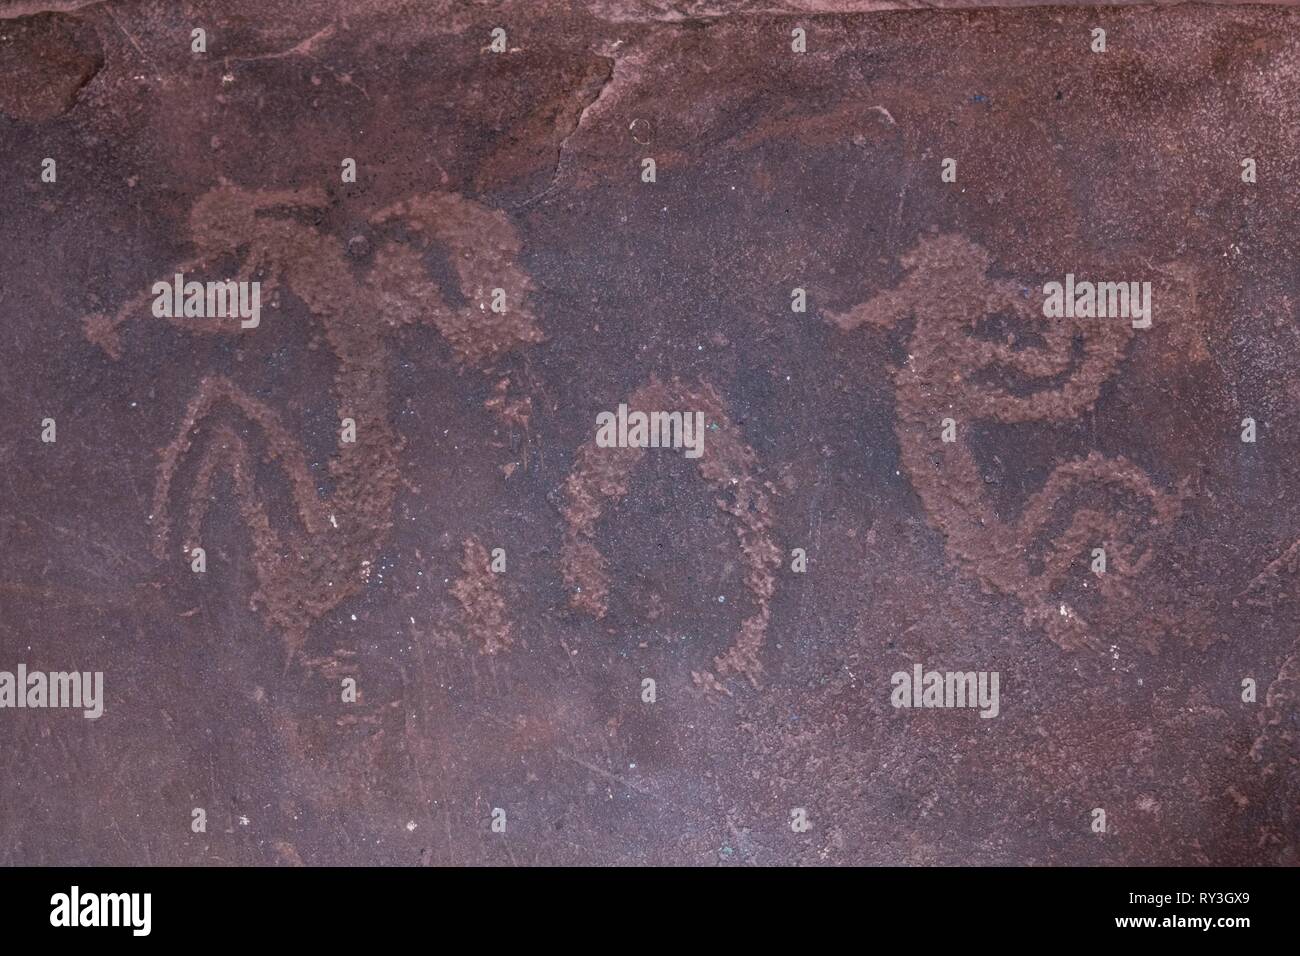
(601, 476)
(306, 570)
(951, 371)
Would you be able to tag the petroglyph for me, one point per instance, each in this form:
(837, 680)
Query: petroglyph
(1276, 739)
(307, 570)
(950, 373)
(1263, 589)
(484, 249)
(483, 609)
(1268, 589)
(601, 476)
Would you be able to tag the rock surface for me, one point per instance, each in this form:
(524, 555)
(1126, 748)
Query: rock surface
(475, 431)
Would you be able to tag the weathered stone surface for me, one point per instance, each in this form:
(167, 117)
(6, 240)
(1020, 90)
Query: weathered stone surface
(45, 60)
(475, 429)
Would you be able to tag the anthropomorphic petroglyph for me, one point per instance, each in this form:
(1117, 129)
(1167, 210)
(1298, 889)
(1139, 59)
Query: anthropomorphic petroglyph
(306, 570)
(951, 372)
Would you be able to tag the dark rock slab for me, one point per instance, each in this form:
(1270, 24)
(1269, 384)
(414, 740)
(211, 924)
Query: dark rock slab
(522, 170)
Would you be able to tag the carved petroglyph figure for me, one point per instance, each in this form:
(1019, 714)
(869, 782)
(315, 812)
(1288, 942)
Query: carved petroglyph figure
(1274, 585)
(308, 569)
(952, 372)
(601, 476)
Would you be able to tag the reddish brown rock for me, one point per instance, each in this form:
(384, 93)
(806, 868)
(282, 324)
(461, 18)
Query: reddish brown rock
(520, 172)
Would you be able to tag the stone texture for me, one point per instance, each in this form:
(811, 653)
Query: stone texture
(475, 431)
